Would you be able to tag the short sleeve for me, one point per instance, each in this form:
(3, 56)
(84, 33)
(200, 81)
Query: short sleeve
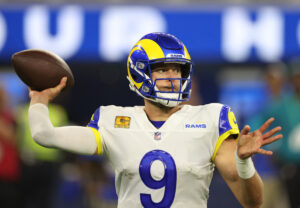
(95, 119)
(93, 124)
(227, 126)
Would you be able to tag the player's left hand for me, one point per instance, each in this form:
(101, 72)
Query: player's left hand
(252, 143)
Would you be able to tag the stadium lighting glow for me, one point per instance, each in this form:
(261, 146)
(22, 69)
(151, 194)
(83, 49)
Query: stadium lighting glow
(2, 31)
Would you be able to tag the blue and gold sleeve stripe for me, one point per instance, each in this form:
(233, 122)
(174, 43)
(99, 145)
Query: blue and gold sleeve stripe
(95, 119)
(93, 125)
(227, 126)
(98, 140)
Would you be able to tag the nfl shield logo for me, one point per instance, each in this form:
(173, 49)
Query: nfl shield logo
(157, 135)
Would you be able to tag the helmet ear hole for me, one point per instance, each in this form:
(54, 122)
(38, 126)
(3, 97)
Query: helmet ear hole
(135, 76)
(147, 71)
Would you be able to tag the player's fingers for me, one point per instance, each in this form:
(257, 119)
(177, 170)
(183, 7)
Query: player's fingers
(61, 85)
(245, 130)
(266, 125)
(31, 93)
(272, 139)
(264, 152)
(56, 90)
(64, 80)
(272, 132)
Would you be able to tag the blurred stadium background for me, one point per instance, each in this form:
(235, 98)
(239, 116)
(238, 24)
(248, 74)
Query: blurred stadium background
(232, 43)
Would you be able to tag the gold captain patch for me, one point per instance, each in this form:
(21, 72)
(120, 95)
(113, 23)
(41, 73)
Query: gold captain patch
(122, 122)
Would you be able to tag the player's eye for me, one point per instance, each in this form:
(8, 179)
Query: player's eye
(177, 70)
(159, 70)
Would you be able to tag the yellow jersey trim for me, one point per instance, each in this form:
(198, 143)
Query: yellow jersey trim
(98, 140)
(222, 138)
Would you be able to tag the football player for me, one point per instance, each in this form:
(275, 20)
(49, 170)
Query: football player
(163, 153)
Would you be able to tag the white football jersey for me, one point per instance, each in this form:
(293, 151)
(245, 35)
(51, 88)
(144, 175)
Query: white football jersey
(167, 167)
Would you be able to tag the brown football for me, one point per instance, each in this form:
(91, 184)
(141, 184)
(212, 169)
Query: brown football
(40, 69)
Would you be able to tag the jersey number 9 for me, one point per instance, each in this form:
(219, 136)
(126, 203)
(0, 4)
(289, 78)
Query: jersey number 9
(168, 181)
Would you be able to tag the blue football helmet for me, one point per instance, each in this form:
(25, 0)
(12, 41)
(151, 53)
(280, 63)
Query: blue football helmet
(153, 49)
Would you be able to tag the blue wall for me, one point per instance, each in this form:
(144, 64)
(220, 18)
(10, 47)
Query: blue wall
(231, 34)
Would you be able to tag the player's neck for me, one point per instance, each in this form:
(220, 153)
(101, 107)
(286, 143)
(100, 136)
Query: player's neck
(158, 112)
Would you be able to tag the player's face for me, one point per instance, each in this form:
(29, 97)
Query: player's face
(167, 71)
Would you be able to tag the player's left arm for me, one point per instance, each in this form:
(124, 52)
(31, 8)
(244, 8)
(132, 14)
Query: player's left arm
(234, 163)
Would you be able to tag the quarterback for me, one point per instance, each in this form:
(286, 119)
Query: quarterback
(163, 153)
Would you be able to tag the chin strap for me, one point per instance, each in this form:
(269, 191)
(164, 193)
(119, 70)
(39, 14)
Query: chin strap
(170, 100)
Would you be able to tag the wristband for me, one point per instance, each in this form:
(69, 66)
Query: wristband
(245, 167)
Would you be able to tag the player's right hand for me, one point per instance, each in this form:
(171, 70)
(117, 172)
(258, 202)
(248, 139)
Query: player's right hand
(46, 95)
